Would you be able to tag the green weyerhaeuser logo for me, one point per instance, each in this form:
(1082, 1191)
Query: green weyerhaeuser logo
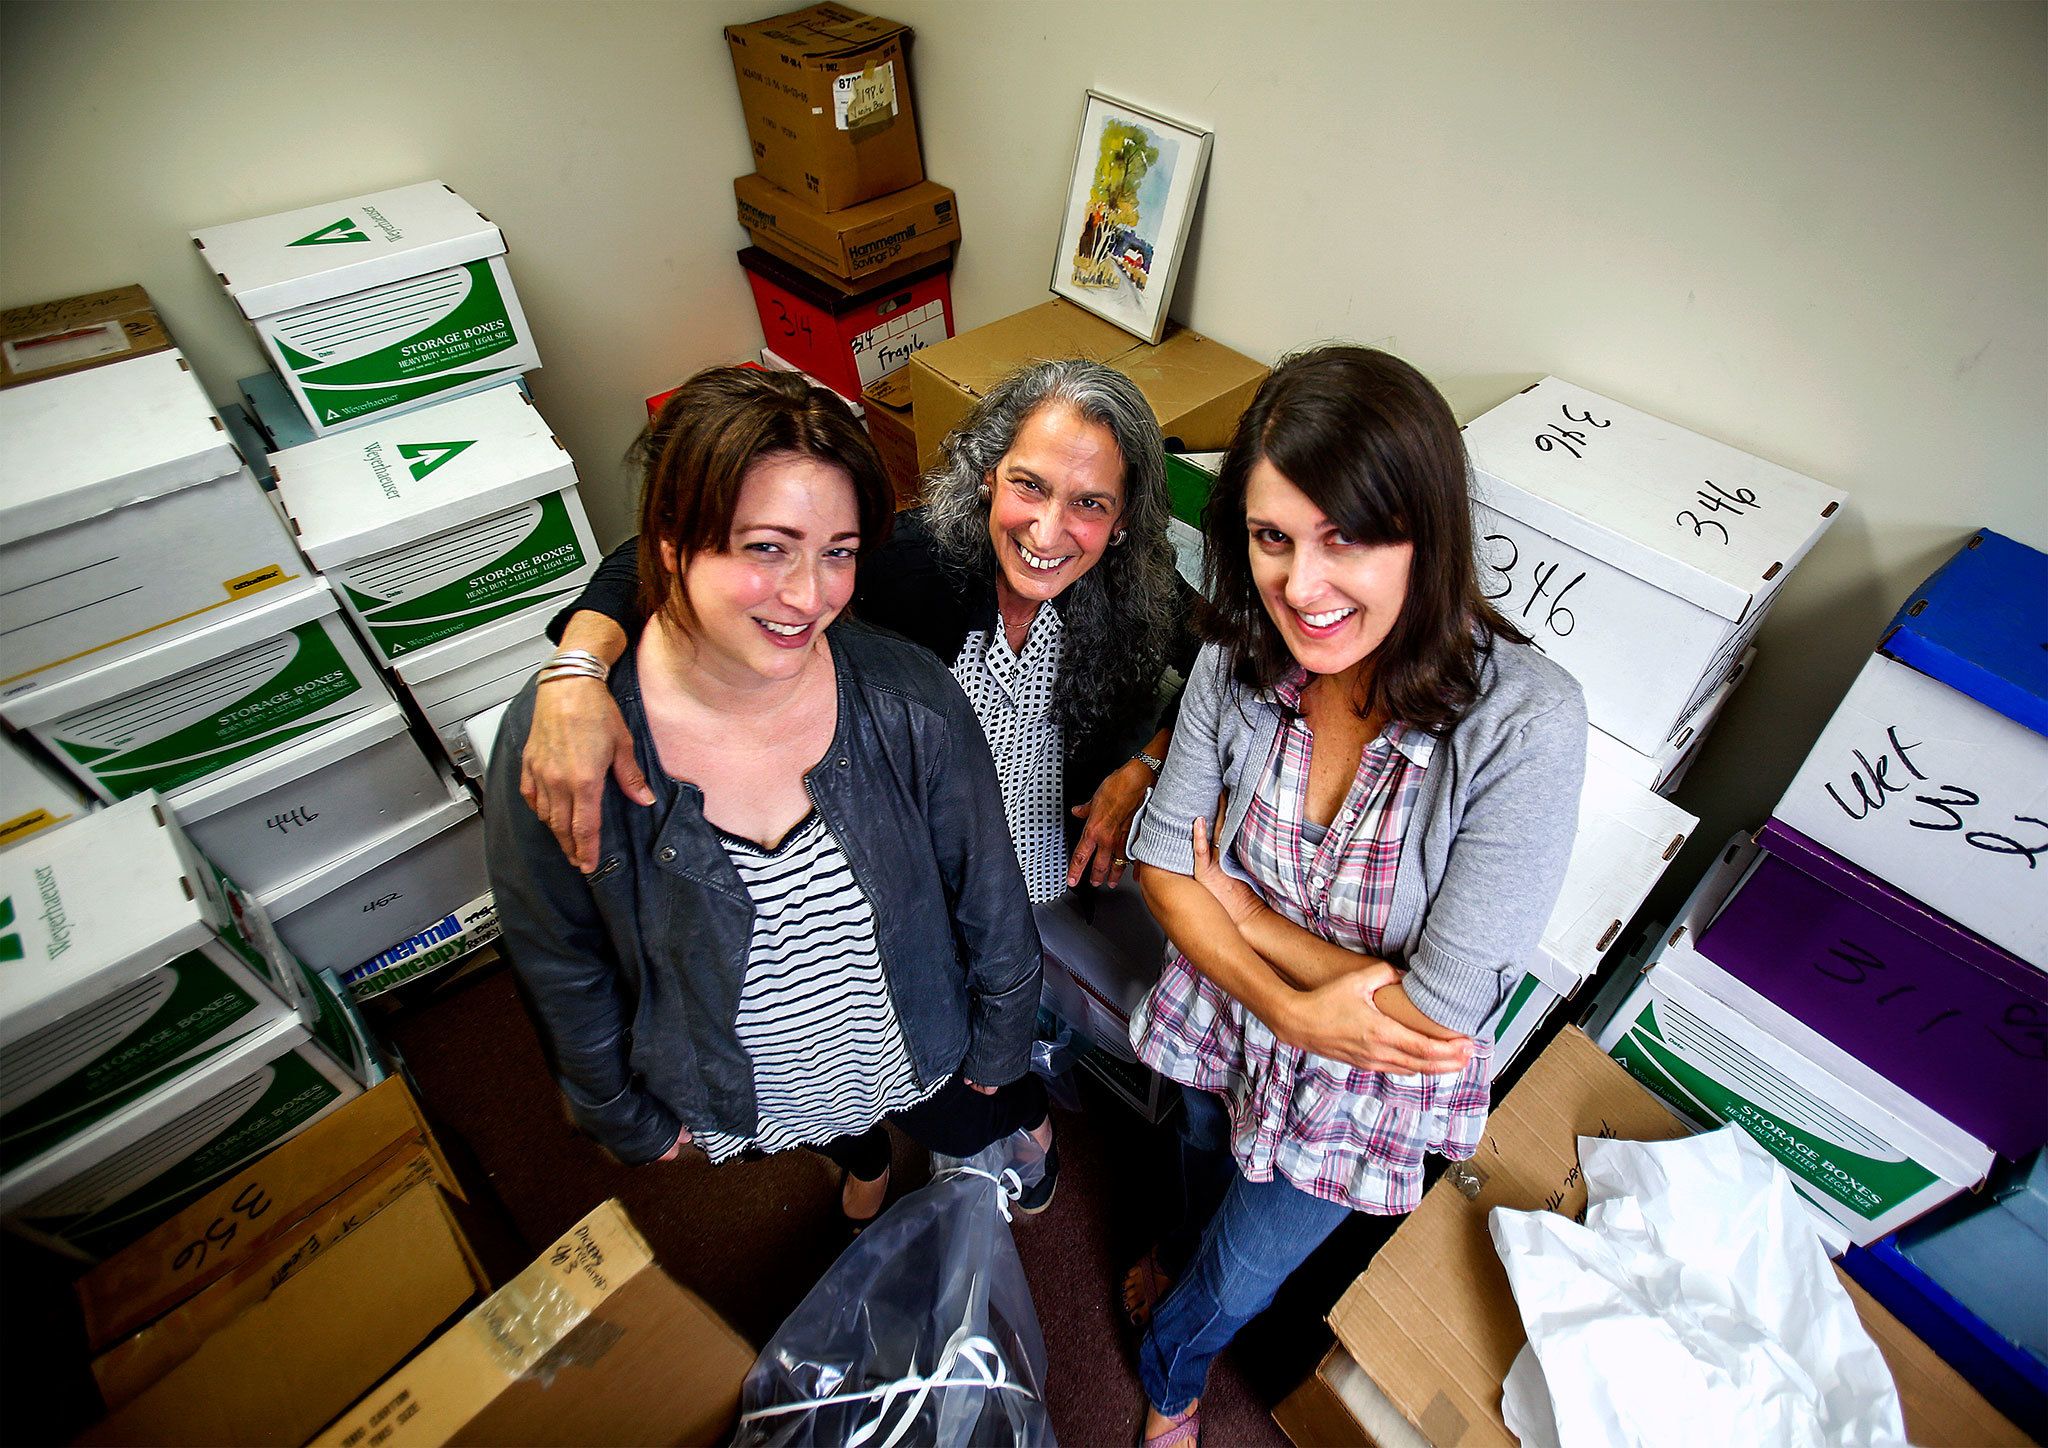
(426, 456)
(10, 942)
(332, 234)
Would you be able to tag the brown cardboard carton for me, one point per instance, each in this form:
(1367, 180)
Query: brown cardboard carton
(239, 1219)
(1197, 387)
(284, 1366)
(826, 93)
(781, 250)
(876, 238)
(593, 1343)
(49, 339)
(1432, 1320)
(892, 429)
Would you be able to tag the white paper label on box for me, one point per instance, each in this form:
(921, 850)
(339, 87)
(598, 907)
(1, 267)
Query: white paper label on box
(862, 96)
(61, 349)
(882, 348)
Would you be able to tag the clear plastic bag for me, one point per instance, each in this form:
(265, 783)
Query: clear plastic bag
(922, 1333)
(1053, 1061)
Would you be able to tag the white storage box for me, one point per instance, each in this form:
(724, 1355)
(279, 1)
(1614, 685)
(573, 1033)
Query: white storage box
(131, 970)
(105, 1187)
(377, 304)
(1528, 1005)
(310, 803)
(207, 701)
(33, 797)
(470, 674)
(1626, 839)
(1640, 556)
(1939, 795)
(442, 521)
(125, 516)
(448, 940)
(387, 891)
(480, 735)
(1665, 770)
(1866, 1156)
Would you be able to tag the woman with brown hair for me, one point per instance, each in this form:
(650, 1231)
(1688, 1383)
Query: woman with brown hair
(818, 922)
(1398, 773)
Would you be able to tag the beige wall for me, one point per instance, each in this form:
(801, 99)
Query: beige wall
(1812, 230)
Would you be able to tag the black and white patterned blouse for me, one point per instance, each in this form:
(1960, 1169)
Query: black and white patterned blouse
(1012, 698)
(815, 1016)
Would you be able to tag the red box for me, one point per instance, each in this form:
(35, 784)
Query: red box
(848, 339)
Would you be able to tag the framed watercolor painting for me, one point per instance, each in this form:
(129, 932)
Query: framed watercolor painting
(1136, 178)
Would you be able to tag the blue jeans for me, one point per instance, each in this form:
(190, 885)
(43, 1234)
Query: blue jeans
(1257, 1234)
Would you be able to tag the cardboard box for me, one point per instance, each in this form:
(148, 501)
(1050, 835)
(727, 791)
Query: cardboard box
(390, 889)
(1525, 1010)
(593, 1343)
(127, 516)
(240, 1220)
(877, 238)
(1939, 795)
(48, 339)
(848, 340)
(1338, 1406)
(892, 428)
(452, 938)
(470, 674)
(1627, 837)
(105, 1186)
(1974, 625)
(1641, 556)
(287, 1364)
(132, 969)
(1432, 1321)
(330, 1013)
(1902, 989)
(480, 735)
(249, 441)
(310, 803)
(377, 304)
(1664, 770)
(826, 92)
(1866, 1156)
(1197, 387)
(444, 520)
(188, 708)
(33, 797)
(128, 1368)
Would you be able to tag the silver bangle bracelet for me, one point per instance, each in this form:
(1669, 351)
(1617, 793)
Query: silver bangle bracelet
(573, 664)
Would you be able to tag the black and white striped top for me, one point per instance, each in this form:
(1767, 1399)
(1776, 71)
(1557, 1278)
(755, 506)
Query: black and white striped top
(815, 1015)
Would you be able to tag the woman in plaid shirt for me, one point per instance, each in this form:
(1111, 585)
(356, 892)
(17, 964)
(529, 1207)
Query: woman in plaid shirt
(1394, 774)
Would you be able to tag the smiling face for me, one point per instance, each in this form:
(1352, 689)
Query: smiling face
(1054, 499)
(1333, 599)
(760, 606)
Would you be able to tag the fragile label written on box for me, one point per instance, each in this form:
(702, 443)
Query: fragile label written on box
(125, 515)
(378, 303)
(848, 340)
(443, 520)
(877, 238)
(203, 702)
(1641, 556)
(826, 94)
(47, 339)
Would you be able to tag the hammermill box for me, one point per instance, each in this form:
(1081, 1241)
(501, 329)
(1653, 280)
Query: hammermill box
(126, 516)
(130, 969)
(441, 521)
(376, 304)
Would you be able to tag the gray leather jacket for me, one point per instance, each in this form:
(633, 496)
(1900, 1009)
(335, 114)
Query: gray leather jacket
(635, 971)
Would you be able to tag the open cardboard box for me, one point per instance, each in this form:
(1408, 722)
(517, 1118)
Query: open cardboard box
(1432, 1321)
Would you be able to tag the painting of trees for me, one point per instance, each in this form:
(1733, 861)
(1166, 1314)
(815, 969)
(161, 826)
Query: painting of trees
(1127, 152)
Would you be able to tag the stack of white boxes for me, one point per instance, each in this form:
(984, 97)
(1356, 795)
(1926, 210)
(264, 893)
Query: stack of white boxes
(1643, 558)
(154, 1036)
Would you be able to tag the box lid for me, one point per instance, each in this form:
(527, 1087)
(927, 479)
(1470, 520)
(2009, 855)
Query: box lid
(1712, 524)
(835, 301)
(210, 796)
(508, 636)
(310, 600)
(93, 905)
(388, 482)
(974, 361)
(66, 460)
(1976, 626)
(284, 899)
(1627, 837)
(817, 33)
(276, 263)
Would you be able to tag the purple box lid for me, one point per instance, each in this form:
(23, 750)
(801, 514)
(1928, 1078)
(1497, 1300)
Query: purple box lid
(1943, 1014)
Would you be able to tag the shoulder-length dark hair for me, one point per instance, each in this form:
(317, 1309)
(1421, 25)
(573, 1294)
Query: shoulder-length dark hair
(694, 456)
(1120, 616)
(1375, 447)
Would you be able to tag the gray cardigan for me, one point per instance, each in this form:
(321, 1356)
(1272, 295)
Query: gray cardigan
(1486, 849)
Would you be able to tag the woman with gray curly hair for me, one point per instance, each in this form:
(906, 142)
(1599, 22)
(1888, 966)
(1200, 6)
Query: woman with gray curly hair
(1038, 568)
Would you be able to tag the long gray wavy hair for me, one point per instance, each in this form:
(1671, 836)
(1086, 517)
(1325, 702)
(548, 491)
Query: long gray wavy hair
(1121, 615)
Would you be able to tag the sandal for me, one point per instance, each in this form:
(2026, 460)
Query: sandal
(1186, 1428)
(1144, 1288)
(857, 1225)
